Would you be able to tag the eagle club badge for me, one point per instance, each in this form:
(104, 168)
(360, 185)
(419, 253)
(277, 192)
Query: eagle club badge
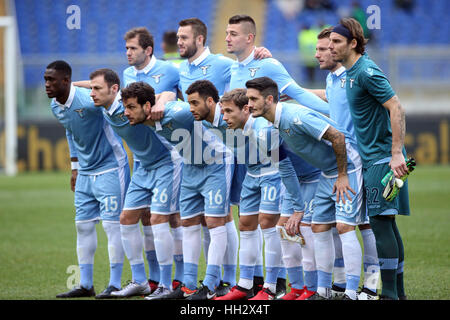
(253, 71)
(157, 77)
(205, 69)
(80, 112)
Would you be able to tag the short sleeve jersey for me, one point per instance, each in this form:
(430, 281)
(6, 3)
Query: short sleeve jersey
(367, 90)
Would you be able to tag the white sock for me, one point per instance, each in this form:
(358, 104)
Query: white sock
(115, 247)
(206, 241)
(248, 257)
(272, 254)
(338, 270)
(351, 250)
(292, 253)
(132, 243)
(231, 252)
(324, 253)
(86, 242)
(177, 235)
(370, 260)
(149, 241)
(192, 244)
(163, 243)
(217, 246)
(308, 257)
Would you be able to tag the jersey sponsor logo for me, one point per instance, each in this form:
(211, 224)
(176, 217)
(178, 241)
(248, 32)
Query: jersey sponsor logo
(157, 77)
(205, 69)
(80, 112)
(253, 71)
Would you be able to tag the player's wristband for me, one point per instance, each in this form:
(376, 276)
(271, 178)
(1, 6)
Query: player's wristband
(74, 165)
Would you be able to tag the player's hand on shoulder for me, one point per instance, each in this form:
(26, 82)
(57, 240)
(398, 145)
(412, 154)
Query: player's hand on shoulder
(262, 53)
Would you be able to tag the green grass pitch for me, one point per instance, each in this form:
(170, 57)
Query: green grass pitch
(37, 237)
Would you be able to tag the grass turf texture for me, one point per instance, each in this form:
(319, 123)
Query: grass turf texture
(37, 237)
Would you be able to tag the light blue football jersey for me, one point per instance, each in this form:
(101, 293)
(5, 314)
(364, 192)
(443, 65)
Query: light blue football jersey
(91, 139)
(208, 66)
(161, 75)
(194, 142)
(250, 68)
(152, 150)
(302, 129)
(337, 100)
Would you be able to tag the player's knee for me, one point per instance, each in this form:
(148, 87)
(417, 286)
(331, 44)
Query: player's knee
(248, 223)
(343, 228)
(268, 220)
(175, 220)
(158, 219)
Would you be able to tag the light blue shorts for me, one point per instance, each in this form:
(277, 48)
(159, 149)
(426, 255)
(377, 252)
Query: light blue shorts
(205, 189)
(158, 189)
(327, 211)
(101, 196)
(308, 191)
(261, 195)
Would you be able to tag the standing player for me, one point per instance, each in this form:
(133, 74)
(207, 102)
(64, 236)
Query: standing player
(260, 194)
(336, 96)
(162, 76)
(240, 38)
(154, 183)
(205, 185)
(100, 176)
(379, 121)
(314, 138)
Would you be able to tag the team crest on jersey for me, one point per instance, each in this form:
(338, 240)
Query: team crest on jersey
(351, 83)
(80, 112)
(205, 69)
(157, 77)
(288, 131)
(343, 83)
(253, 71)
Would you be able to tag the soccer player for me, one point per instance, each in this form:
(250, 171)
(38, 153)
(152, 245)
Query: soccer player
(170, 48)
(260, 193)
(100, 176)
(336, 96)
(205, 185)
(379, 122)
(155, 183)
(240, 38)
(162, 76)
(338, 198)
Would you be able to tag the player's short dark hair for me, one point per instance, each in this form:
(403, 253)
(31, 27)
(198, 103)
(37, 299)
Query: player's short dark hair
(237, 96)
(62, 67)
(170, 39)
(140, 90)
(265, 85)
(197, 26)
(110, 76)
(357, 33)
(325, 33)
(145, 38)
(241, 18)
(205, 89)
